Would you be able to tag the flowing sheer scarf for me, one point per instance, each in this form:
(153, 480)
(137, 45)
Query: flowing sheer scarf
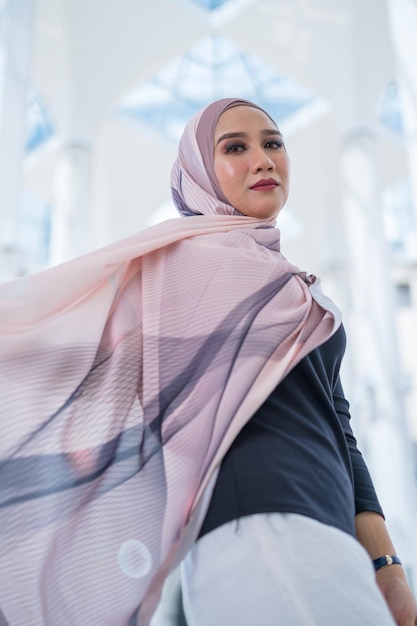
(125, 375)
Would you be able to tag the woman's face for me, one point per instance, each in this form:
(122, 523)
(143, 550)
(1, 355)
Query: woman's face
(250, 162)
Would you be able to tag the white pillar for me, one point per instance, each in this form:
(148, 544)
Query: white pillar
(71, 229)
(375, 347)
(15, 41)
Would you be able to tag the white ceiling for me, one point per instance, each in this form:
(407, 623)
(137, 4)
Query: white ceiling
(88, 54)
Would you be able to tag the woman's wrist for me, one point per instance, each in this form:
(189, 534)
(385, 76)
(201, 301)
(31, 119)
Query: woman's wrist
(372, 533)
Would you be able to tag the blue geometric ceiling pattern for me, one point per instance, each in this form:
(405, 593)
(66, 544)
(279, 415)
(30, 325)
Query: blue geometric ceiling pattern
(214, 68)
(39, 127)
(389, 109)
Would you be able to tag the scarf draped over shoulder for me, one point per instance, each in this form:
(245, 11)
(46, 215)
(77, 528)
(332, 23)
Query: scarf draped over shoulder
(125, 375)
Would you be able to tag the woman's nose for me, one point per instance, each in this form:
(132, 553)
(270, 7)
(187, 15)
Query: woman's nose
(262, 161)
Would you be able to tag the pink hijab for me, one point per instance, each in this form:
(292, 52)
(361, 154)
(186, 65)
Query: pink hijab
(124, 377)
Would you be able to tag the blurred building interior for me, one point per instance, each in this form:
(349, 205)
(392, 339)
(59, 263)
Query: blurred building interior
(94, 95)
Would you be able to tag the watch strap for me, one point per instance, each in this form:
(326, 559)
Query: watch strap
(386, 560)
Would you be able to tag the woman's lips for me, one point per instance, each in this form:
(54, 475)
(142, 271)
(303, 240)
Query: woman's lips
(267, 184)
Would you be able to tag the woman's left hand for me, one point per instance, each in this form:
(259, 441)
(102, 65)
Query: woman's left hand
(398, 595)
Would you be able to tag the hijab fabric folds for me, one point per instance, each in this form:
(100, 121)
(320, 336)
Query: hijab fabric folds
(124, 377)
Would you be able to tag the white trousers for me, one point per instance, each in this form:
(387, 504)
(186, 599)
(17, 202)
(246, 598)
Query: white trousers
(280, 570)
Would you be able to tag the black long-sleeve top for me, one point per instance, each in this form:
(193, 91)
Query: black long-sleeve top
(298, 454)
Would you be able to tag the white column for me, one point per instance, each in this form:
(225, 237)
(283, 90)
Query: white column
(15, 41)
(71, 229)
(377, 367)
(403, 22)
(378, 402)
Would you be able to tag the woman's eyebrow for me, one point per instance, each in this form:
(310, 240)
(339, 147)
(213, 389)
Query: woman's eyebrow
(267, 132)
(272, 131)
(230, 136)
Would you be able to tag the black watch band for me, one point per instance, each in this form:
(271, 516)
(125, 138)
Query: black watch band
(386, 560)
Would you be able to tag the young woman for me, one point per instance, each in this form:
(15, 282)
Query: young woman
(128, 377)
(293, 495)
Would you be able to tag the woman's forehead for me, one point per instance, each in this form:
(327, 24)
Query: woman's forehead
(238, 118)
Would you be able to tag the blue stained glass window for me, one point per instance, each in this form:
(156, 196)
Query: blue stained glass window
(400, 220)
(389, 109)
(214, 68)
(39, 127)
(210, 5)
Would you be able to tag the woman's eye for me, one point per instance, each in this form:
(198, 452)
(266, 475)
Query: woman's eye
(276, 145)
(235, 147)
